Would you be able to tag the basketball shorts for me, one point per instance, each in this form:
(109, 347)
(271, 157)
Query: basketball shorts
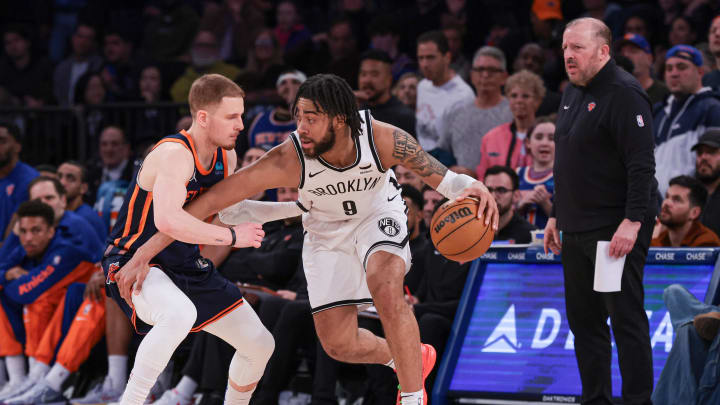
(335, 256)
(211, 293)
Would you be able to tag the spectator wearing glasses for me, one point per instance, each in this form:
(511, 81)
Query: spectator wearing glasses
(468, 121)
(503, 182)
(505, 144)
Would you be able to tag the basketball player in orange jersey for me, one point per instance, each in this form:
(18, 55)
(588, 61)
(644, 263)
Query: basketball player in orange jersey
(355, 250)
(183, 292)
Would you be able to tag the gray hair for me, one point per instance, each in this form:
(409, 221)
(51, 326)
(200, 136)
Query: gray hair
(494, 53)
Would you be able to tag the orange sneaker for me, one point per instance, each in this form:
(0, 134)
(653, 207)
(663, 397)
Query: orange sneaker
(428, 362)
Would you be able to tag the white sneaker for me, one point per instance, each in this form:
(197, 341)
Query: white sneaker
(15, 388)
(173, 397)
(101, 394)
(40, 394)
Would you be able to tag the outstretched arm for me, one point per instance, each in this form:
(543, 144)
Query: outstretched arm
(274, 169)
(398, 147)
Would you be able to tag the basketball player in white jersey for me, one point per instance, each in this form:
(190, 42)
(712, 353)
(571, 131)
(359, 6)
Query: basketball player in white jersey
(355, 251)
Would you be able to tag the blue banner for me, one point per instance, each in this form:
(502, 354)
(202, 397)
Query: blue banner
(517, 343)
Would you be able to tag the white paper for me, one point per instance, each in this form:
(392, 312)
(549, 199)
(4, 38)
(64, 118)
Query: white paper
(608, 270)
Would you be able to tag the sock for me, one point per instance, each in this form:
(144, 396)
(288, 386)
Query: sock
(39, 370)
(411, 398)
(186, 387)
(31, 365)
(391, 364)
(139, 385)
(117, 371)
(57, 376)
(3, 371)
(235, 397)
(16, 367)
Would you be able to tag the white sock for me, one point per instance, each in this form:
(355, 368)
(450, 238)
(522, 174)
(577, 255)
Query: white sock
(117, 370)
(411, 398)
(186, 387)
(39, 370)
(3, 371)
(16, 367)
(235, 397)
(391, 364)
(57, 376)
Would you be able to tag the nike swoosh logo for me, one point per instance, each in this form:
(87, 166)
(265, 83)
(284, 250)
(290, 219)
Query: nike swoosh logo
(365, 167)
(315, 174)
(390, 199)
(565, 107)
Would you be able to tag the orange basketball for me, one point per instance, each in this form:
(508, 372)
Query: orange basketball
(457, 233)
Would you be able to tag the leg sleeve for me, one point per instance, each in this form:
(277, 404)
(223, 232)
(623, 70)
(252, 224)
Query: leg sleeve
(253, 344)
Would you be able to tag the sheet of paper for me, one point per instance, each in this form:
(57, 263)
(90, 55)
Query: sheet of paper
(608, 270)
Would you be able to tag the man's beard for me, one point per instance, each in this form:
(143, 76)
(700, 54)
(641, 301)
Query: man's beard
(323, 145)
(5, 160)
(502, 210)
(708, 178)
(670, 222)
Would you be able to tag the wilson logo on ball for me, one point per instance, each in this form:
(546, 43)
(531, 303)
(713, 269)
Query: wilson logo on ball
(453, 216)
(389, 226)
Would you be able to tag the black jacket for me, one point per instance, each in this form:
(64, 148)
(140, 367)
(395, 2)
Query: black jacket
(604, 162)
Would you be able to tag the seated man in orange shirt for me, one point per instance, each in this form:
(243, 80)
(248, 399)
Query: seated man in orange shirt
(683, 204)
(33, 280)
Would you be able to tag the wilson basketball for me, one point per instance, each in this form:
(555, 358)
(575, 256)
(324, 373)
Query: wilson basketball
(457, 233)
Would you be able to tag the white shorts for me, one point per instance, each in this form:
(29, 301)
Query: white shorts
(335, 267)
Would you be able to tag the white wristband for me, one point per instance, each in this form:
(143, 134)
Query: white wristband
(453, 184)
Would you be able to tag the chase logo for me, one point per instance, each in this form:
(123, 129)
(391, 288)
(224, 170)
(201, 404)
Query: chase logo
(504, 338)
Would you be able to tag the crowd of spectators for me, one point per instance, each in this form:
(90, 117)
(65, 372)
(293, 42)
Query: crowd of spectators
(478, 83)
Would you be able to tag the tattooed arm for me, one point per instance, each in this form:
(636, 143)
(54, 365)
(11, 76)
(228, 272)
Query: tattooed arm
(397, 147)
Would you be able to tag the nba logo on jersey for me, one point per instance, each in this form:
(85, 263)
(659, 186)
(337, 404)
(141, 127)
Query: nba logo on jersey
(640, 121)
(9, 189)
(56, 260)
(112, 269)
(591, 106)
(389, 226)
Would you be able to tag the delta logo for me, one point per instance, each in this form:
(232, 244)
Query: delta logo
(504, 338)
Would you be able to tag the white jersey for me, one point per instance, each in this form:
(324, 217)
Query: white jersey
(349, 194)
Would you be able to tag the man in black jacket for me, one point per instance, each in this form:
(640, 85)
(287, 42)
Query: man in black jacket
(604, 191)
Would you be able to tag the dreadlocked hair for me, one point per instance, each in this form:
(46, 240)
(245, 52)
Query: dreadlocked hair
(332, 95)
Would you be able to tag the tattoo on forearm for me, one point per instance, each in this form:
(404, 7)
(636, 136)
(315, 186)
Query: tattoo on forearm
(406, 149)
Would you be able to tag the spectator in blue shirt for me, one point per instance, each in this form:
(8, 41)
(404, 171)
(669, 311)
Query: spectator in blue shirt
(34, 278)
(73, 176)
(14, 174)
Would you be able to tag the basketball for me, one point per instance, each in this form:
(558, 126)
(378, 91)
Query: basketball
(457, 233)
